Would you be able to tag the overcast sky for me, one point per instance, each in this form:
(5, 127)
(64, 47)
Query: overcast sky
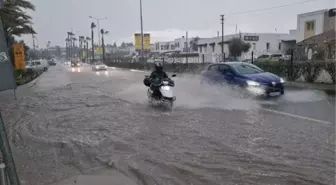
(164, 19)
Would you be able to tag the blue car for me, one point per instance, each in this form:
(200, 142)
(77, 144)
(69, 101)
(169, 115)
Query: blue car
(246, 75)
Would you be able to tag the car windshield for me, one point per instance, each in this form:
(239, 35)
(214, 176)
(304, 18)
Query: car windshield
(246, 69)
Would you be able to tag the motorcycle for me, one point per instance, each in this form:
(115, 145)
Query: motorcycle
(163, 91)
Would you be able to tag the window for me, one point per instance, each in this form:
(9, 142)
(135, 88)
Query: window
(200, 48)
(224, 69)
(251, 38)
(172, 47)
(246, 69)
(213, 68)
(213, 48)
(267, 46)
(254, 46)
(185, 44)
(37, 63)
(310, 26)
(205, 48)
(279, 46)
(161, 47)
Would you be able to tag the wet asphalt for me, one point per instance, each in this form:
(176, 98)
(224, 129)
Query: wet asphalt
(75, 121)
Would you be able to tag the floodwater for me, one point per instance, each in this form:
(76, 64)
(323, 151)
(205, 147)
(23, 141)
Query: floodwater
(73, 122)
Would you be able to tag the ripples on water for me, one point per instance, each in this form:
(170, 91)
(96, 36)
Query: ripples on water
(73, 128)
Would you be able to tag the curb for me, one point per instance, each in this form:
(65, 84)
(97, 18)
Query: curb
(30, 84)
(330, 88)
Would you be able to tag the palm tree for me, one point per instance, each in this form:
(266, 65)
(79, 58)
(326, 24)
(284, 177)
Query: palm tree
(87, 48)
(93, 25)
(81, 39)
(103, 32)
(15, 20)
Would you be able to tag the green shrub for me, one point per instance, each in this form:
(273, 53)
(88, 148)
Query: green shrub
(276, 67)
(330, 68)
(311, 71)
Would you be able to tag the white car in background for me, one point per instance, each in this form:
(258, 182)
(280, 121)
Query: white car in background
(39, 65)
(99, 66)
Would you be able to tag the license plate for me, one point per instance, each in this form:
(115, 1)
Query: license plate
(274, 93)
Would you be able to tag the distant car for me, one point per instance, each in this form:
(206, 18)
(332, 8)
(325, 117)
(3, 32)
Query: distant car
(245, 75)
(75, 64)
(39, 65)
(51, 62)
(99, 66)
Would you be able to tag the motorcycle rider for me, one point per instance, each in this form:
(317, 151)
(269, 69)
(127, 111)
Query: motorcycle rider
(156, 77)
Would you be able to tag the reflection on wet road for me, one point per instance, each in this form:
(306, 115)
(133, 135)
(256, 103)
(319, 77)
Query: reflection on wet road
(75, 121)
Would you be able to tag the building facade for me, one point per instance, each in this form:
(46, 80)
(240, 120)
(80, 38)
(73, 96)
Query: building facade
(314, 23)
(177, 45)
(261, 43)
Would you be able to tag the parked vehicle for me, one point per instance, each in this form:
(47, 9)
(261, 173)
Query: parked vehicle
(39, 65)
(245, 75)
(52, 62)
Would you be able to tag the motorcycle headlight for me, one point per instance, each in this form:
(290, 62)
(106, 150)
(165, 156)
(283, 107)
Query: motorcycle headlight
(252, 83)
(165, 83)
(282, 80)
(167, 88)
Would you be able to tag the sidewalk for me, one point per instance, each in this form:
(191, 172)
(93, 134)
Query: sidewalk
(108, 177)
(329, 88)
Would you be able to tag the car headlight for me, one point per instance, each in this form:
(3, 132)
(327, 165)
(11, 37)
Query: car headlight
(97, 67)
(167, 88)
(282, 80)
(252, 83)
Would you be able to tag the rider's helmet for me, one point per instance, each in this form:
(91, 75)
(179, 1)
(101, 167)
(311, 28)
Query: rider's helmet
(158, 66)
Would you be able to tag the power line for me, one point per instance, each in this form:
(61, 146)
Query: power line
(274, 7)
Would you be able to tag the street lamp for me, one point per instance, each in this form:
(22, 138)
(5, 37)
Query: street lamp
(103, 32)
(142, 36)
(98, 26)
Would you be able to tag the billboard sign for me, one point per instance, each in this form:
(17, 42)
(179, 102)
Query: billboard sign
(138, 44)
(19, 56)
(7, 79)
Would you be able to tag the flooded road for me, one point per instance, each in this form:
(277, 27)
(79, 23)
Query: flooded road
(72, 122)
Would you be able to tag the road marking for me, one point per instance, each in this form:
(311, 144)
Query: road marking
(296, 116)
(134, 70)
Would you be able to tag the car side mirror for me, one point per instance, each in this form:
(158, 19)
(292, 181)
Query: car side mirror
(174, 75)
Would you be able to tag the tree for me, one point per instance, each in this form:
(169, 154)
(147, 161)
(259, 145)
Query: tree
(123, 45)
(114, 45)
(237, 47)
(193, 43)
(15, 20)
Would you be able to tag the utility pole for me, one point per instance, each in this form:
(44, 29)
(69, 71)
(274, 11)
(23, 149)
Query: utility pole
(142, 36)
(222, 22)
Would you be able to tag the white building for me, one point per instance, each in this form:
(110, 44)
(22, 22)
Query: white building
(261, 43)
(314, 23)
(179, 44)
